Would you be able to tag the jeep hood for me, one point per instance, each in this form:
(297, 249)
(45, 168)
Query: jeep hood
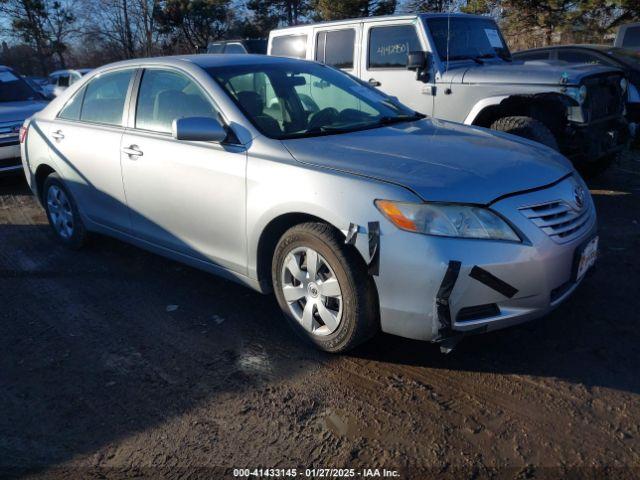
(19, 111)
(529, 73)
(439, 161)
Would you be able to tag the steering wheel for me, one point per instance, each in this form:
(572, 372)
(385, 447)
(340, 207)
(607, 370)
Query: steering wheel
(326, 116)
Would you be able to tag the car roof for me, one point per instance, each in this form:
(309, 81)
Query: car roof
(384, 17)
(206, 60)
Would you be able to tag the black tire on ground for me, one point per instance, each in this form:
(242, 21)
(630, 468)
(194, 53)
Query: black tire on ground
(360, 317)
(528, 128)
(80, 235)
(594, 168)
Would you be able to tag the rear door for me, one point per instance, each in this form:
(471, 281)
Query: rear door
(385, 46)
(186, 196)
(84, 142)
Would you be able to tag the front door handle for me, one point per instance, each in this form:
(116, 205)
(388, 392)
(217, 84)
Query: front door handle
(374, 83)
(58, 135)
(132, 151)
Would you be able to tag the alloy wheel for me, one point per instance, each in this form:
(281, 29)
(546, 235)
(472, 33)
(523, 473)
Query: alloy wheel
(60, 211)
(312, 291)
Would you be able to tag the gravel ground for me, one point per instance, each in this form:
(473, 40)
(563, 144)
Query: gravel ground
(119, 363)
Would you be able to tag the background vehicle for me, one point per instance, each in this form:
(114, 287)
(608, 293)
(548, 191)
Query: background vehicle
(60, 80)
(462, 71)
(626, 59)
(628, 36)
(256, 45)
(359, 213)
(18, 101)
(39, 84)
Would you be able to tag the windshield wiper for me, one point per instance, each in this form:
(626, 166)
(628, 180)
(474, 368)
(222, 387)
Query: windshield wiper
(387, 120)
(475, 58)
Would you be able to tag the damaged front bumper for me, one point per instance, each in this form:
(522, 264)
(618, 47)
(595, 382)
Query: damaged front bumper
(592, 141)
(435, 288)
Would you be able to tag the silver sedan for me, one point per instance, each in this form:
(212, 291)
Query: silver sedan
(292, 177)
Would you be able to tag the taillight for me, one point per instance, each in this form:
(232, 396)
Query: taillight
(23, 134)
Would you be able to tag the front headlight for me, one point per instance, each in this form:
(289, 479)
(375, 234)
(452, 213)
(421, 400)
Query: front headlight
(578, 94)
(447, 220)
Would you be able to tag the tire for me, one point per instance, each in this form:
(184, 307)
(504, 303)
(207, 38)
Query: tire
(356, 317)
(528, 128)
(591, 169)
(62, 213)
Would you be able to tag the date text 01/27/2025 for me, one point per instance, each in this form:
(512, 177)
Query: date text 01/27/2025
(315, 473)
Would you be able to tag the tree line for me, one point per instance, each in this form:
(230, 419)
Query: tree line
(42, 35)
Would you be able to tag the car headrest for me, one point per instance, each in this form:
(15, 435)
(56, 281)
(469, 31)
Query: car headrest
(251, 102)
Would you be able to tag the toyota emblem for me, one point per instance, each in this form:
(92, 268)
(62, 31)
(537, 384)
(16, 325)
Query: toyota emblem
(578, 196)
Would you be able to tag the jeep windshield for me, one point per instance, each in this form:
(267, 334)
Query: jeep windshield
(460, 38)
(303, 99)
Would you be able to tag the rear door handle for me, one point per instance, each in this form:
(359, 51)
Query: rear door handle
(57, 135)
(374, 83)
(133, 151)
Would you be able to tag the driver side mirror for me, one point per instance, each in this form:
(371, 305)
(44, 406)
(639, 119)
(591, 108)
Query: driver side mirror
(419, 62)
(198, 129)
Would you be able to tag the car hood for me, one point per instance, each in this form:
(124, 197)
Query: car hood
(439, 161)
(19, 111)
(530, 73)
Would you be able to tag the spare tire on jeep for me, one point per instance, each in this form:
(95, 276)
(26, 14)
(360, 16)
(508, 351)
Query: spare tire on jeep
(528, 128)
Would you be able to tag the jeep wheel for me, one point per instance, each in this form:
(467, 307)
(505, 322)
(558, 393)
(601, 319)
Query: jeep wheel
(528, 128)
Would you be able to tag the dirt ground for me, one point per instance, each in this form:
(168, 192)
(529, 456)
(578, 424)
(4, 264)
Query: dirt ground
(118, 363)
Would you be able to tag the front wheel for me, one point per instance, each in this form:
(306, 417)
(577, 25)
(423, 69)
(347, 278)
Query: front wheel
(323, 288)
(528, 128)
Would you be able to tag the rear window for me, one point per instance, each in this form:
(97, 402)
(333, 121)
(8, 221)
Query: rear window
(15, 89)
(234, 48)
(631, 37)
(105, 97)
(289, 46)
(389, 46)
(336, 48)
(215, 48)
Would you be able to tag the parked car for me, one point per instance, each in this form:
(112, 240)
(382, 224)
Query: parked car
(460, 69)
(627, 60)
(39, 84)
(18, 101)
(360, 215)
(60, 80)
(256, 45)
(628, 36)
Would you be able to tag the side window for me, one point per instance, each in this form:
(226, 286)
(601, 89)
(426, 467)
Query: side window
(336, 48)
(166, 95)
(289, 46)
(575, 56)
(63, 81)
(631, 37)
(234, 48)
(104, 98)
(389, 46)
(533, 56)
(71, 110)
(215, 48)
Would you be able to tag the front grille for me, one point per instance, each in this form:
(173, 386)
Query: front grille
(561, 221)
(604, 97)
(478, 312)
(10, 162)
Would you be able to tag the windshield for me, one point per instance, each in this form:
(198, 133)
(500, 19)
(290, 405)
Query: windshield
(459, 38)
(302, 99)
(15, 89)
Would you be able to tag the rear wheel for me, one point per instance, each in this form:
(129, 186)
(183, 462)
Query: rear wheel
(62, 213)
(323, 288)
(528, 128)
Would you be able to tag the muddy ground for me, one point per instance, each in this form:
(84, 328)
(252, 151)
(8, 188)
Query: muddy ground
(118, 363)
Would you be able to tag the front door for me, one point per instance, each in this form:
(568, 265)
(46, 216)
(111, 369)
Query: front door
(186, 196)
(384, 62)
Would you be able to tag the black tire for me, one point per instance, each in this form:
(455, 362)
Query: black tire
(528, 128)
(79, 235)
(360, 318)
(591, 169)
